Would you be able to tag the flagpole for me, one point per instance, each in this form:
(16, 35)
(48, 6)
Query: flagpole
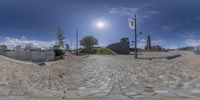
(135, 39)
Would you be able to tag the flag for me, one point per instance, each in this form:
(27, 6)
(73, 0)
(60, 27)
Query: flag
(131, 22)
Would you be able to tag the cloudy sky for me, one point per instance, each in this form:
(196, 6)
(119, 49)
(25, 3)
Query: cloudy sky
(171, 23)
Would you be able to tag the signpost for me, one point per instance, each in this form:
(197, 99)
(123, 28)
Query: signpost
(132, 25)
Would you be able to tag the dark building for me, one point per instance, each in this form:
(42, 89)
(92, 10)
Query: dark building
(148, 46)
(188, 48)
(67, 47)
(156, 48)
(121, 47)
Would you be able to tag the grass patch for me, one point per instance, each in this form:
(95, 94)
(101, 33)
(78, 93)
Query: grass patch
(99, 51)
(103, 51)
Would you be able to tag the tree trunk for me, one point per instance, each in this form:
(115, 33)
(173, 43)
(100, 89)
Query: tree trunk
(89, 49)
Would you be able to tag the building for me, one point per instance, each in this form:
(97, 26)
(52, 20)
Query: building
(156, 48)
(19, 48)
(120, 47)
(148, 46)
(30, 47)
(3, 47)
(67, 47)
(188, 48)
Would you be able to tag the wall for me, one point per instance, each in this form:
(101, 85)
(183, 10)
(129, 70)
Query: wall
(33, 56)
(119, 48)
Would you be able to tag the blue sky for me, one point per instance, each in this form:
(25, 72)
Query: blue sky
(171, 23)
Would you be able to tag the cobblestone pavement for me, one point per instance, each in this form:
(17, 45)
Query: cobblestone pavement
(152, 76)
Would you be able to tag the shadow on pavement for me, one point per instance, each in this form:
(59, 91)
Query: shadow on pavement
(173, 57)
(168, 57)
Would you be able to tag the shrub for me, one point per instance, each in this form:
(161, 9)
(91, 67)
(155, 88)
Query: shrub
(59, 54)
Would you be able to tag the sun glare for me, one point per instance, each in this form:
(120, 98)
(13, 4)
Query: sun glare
(100, 24)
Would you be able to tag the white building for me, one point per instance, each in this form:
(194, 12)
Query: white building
(19, 48)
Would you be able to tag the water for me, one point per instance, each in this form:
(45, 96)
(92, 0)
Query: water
(32, 56)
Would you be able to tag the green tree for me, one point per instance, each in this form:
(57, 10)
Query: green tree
(88, 43)
(59, 46)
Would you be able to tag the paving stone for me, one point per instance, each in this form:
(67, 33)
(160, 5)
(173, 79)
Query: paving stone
(149, 88)
(98, 76)
(195, 91)
(123, 87)
(82, 88)
(132, 93)
(161, 91)
(125, 90)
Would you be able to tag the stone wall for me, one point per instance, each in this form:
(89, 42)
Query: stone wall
(33, 56)
(119, 48)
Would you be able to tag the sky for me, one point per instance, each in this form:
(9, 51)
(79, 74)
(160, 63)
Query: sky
(171, 23)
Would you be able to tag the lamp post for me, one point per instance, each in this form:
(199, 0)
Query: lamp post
(77, 42)
(133, 25)
(135, 39)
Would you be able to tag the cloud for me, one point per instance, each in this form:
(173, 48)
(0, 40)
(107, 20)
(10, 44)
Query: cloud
(187, 35)
(124, 11)
(190, 39)
(142, 13)
(191, 42)
(142, 43)
(23, 41)
(168, 28)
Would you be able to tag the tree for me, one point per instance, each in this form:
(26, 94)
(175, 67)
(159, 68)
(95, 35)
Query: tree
(59, 46)
(124, 40)
(60, 39)
(88, 42)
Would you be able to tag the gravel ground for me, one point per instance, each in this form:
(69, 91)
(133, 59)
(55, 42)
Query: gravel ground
(155, 75)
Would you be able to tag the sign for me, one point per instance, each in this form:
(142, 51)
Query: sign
(131, 22)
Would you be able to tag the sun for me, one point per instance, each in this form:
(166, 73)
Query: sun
(100, 24)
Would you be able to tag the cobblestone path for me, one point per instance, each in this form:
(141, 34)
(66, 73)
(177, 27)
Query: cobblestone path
(102, 77)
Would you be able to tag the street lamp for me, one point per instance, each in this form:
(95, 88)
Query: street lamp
(132, 25)
(137, 36)
(77, 42)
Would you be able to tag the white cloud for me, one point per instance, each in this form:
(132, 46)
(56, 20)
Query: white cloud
(190, 39)
(187, 35)
(124, 11)
(13, 42)
(143, 14)
(191, 42)
(159, 42)
(142, 43)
